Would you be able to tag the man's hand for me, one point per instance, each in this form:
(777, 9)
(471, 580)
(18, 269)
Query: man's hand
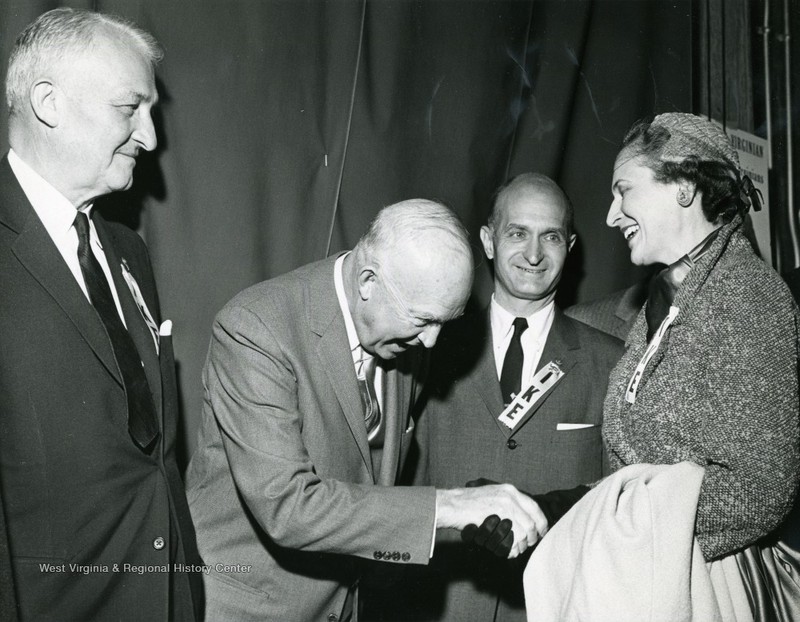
(460, 507)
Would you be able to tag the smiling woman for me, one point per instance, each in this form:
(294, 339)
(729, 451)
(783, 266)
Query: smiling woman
(710, 372)
(685, 388)
(709, 377)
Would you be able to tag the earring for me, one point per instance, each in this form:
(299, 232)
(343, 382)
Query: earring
(684, 197)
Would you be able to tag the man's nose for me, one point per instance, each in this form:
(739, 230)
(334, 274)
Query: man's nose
(533, 251)
(429, 336)
(145, 132)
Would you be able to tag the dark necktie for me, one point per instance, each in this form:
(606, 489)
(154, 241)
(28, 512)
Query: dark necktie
(142, 422)
(369, 398)
(511, 374)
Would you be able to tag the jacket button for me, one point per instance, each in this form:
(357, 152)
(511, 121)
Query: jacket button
(406, 556)
(158, 543)
(512, 444)
(377, 555)
(332, 617)
(396, 556)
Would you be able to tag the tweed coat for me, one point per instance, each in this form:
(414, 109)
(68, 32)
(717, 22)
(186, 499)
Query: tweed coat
(721, 391)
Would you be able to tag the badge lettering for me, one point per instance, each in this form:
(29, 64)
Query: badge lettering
(519, 407)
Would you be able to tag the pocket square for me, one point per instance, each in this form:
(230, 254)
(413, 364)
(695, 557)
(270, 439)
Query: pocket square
(574, 426)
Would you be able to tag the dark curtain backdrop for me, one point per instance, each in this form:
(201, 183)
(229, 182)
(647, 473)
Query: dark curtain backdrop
(285, 126)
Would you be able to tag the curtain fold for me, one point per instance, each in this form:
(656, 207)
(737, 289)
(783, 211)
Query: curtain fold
(266, 105)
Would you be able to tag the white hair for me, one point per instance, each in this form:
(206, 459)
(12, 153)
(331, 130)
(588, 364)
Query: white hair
(407, 224)
(55, 35)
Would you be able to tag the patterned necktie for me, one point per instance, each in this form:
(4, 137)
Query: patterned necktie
(142, 421)
(369, 398)
(511, 374)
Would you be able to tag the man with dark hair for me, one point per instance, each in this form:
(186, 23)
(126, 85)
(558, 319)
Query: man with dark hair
(97, 519)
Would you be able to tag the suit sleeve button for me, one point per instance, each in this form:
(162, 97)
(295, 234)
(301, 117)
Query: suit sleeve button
(396, 556)
(511, 444)
(377, 555)
(332, 617)
(405, 557)
(158, 543)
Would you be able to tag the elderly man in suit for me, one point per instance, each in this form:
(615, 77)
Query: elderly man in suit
(310, 381)
(521, 346)
(95, 508)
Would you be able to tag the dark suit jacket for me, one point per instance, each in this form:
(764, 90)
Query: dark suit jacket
(615, 313)
(461, 439)
(283, 481)
(81, 500)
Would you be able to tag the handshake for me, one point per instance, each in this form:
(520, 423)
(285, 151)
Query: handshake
(483, 503)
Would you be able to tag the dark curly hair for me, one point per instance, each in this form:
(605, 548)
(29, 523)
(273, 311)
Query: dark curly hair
(718, 182)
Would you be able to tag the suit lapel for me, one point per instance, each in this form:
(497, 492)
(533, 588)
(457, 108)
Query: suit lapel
(137, 328)
(631, 302)
(561, 347)
(485, 382)
(38, 254)
(327, 323)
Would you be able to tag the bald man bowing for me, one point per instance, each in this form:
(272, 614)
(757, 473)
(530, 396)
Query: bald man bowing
(310, 381)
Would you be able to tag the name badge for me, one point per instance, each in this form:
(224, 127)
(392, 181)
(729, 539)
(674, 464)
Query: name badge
(133, 286)
(521, 405)
(652, 348)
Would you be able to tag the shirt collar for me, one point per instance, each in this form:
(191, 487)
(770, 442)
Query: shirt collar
(341, 296)
(502, 321)
(53, 208)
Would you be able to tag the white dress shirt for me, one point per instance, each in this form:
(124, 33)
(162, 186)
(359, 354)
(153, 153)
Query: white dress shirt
(533, 339)
(358, 353)
(58, 217)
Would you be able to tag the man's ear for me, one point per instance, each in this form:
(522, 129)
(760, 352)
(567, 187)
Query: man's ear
(367, 281)
(44, 97)
(487, 239)
(571, 241)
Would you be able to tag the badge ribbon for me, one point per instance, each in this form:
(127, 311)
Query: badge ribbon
(133, 286)
(521, 405)
(652, 348)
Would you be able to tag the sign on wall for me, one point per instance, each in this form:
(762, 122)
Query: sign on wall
(754, 160)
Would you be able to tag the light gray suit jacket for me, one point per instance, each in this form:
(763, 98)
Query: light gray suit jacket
(282, 482)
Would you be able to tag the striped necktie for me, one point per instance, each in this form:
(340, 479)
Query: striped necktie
(369, 397)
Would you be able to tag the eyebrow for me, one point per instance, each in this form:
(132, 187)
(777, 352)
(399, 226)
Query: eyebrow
(138, 97)
(512, 225)
(424, 317)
